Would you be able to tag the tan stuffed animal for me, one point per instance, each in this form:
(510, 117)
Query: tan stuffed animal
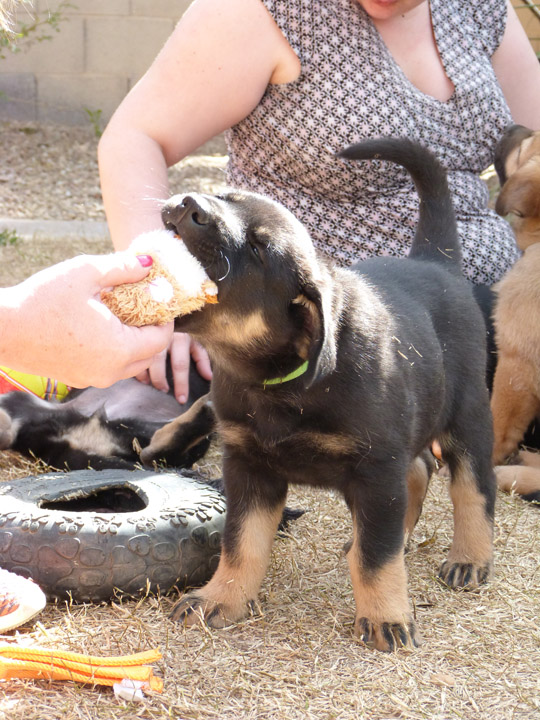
(176, 284)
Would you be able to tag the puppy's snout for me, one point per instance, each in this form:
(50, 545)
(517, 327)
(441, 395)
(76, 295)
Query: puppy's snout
(180, 212)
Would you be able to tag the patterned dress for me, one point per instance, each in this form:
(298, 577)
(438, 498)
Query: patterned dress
(351, 88)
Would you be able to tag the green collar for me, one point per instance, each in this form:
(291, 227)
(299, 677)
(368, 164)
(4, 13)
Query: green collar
(291, 376)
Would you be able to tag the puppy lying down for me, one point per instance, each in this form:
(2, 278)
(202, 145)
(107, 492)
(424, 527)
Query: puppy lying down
(339, 378)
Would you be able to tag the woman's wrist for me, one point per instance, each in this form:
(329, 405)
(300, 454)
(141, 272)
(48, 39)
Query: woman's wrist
(15, 349)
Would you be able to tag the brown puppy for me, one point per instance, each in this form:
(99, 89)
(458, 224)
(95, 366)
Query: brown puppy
(341, 379)
(515, 401)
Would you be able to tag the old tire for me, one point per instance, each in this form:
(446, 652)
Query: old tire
(90, 535)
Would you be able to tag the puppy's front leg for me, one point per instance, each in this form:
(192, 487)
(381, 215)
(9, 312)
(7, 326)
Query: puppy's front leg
(514, 404)
(254, 510)
(377, 566)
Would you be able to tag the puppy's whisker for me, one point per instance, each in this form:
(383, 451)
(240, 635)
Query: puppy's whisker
(147, 206)
(158, 200)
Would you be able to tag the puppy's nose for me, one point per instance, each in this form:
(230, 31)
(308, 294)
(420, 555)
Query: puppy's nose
(181, 211)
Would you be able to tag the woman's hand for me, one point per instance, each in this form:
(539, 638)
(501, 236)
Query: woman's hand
(182, 349)
(54, 324)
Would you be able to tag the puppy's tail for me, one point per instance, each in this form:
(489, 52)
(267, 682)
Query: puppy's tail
(436, 236)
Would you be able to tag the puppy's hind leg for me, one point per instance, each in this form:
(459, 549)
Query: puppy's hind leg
(472, 489)
(420, 472)
(254, 509)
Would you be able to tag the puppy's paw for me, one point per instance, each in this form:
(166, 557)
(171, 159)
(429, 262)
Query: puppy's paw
(387, 636)
(194, 608)
(160, 444)
(464, 576)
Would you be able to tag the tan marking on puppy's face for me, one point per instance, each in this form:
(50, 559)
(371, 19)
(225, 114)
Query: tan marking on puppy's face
(239, 331)
(304, 340)
(473, 528)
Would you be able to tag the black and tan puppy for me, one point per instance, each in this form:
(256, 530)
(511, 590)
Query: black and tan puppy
(341, 379)
(515, 397)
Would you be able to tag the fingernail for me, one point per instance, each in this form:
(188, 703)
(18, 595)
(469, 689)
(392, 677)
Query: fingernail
(181, 399)
(145, 260)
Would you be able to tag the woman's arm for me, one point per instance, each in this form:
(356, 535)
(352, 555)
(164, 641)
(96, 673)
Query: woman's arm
(53, 324)
(210, 74)
(518, 71)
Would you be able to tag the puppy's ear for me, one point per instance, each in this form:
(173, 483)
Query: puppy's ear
(316, 339)
(510, 141)
(521, 192)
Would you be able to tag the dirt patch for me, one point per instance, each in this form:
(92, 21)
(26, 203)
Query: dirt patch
(51, 173)
(297, 659)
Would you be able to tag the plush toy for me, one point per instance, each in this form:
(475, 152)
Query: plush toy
(176, 284)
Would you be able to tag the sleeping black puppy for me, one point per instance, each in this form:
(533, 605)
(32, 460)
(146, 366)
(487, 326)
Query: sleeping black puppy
(102, 428)
(340, 378)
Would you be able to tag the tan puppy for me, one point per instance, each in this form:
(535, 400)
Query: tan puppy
(515, 401)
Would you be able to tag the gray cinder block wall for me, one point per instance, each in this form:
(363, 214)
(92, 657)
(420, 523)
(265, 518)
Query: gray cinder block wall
(102, 49)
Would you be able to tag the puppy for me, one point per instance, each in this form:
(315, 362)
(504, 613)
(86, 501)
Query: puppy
(341, 379)
(101, 428)
(515, 400)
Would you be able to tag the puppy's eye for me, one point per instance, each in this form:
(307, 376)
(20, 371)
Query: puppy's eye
(255, 250)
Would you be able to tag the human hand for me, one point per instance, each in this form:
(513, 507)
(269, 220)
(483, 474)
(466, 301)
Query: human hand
(181, 349)
(57, 326)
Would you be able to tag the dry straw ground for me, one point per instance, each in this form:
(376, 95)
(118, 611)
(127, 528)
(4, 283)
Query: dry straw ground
(480, 658)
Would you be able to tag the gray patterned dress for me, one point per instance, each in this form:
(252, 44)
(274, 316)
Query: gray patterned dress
(351, 88)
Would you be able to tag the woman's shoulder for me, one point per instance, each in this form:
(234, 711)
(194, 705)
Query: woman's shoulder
(485, 18)
(305, 22)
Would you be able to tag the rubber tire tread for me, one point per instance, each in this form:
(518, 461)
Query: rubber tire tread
(174, 540)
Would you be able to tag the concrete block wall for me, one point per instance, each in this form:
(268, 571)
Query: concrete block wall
(102, 48)
(530, 21)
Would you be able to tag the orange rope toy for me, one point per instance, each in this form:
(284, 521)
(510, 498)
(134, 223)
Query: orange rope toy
(37, 663)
